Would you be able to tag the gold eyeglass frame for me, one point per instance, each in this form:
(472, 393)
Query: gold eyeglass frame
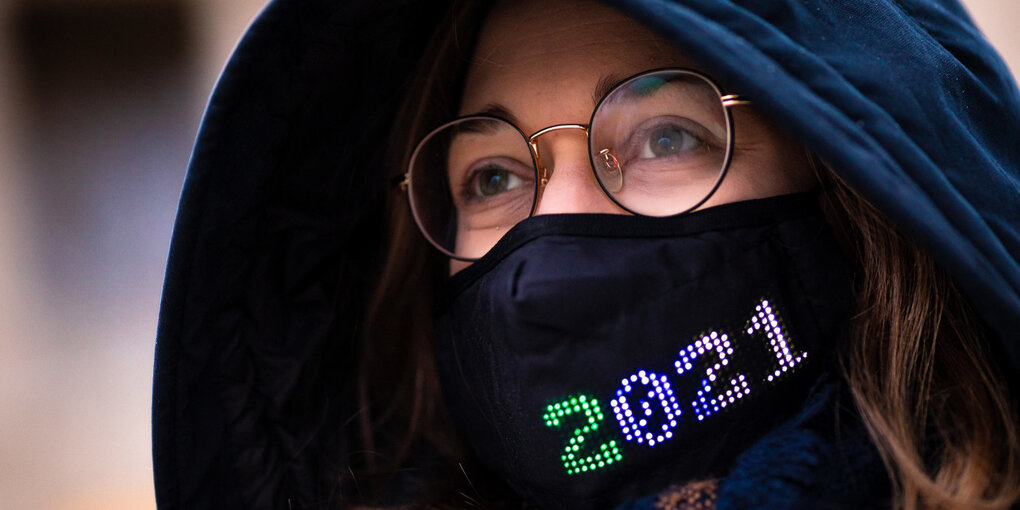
(542, 174)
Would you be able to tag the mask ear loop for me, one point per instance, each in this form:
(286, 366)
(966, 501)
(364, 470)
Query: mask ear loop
(833, 201)
(819, 169)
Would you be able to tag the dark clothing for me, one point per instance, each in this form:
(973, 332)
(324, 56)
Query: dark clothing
(282, 212)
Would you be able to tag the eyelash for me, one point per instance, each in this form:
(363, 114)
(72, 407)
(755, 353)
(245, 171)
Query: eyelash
(469, 183)
(639, 135)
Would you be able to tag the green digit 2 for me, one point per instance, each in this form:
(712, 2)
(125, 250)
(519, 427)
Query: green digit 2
(603, 455)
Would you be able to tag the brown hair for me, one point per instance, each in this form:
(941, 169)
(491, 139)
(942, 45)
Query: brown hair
(919, 370)
(398, 389)
(916, 363)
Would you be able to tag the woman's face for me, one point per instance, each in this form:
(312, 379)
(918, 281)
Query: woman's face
(540, 63)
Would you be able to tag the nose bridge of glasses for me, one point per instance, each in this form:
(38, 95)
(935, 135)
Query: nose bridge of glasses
(533, 143)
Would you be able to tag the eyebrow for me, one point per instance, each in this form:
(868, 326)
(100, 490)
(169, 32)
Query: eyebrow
(498, 110)
(604, 85)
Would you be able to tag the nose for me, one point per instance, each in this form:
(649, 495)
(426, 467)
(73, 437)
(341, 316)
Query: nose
(571, 187)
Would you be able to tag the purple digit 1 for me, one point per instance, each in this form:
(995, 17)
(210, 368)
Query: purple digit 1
(708, 403)
(654, 389)
(765, 319)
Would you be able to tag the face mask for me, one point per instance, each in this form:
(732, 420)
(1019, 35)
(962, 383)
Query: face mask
(591, 358)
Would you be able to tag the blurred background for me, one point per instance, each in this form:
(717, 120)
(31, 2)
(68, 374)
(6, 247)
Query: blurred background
(99, 104)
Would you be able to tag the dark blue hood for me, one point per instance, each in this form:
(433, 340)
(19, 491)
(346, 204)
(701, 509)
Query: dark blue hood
(282, 209)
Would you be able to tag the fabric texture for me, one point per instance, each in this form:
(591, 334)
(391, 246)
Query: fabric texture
(699, 495)
(802, 464)
(282, 210)
(717, 321)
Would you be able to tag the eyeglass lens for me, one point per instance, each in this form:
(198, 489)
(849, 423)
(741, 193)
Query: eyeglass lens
(659, 144)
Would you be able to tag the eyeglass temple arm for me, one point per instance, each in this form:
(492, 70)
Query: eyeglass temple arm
(734, 100)
(400, 181)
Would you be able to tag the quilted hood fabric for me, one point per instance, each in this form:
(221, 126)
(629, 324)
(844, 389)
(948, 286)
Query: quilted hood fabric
(281, 215)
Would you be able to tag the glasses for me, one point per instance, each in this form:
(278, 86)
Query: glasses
(659, 144)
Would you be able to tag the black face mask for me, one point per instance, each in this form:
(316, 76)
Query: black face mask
(591, 358)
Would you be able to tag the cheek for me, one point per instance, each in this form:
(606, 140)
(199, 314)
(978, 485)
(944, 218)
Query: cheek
(770, 172)
(474, 243)
(766, 162)
(457, 266)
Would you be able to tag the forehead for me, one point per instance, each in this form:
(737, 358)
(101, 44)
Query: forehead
(534, 50)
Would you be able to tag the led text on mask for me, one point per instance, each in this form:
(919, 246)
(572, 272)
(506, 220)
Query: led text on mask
(643, 393)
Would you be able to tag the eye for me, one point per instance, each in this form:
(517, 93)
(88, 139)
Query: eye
(493, 180)
(667, 141)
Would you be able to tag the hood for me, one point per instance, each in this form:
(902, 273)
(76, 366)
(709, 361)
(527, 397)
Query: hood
(281, 214)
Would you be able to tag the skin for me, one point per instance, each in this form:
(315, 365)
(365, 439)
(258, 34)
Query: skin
(540, 61)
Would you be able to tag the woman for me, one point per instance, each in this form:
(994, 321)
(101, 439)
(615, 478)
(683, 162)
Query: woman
(884, 355)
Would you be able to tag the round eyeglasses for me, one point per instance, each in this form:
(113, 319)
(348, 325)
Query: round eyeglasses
(659, 144)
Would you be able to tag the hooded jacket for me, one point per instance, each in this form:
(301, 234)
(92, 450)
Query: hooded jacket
(282, 212)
